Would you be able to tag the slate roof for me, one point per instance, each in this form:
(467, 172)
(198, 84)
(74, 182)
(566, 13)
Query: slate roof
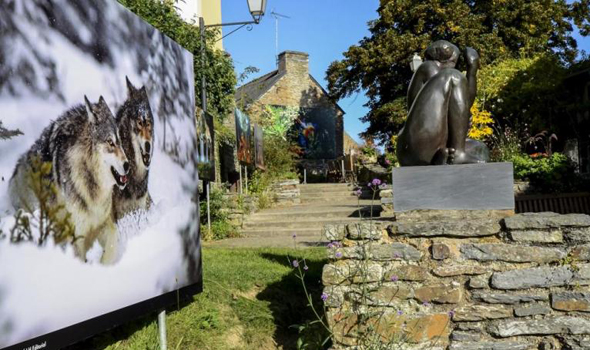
(254, 90)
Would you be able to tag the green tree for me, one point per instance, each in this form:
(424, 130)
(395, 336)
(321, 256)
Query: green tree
(218, 70)
(497, 29)
(527, 93)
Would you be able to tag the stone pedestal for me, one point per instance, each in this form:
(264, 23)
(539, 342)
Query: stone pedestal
(454, 187)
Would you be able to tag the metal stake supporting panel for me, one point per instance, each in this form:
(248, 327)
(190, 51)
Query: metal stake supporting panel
(162, 328)
(246, 180)
(208, 207)
(241, 187)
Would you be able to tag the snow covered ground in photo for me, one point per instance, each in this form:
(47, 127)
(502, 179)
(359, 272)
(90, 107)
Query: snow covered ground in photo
(43, 289)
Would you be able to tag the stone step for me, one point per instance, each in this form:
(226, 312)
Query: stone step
(307, 190)
(331, 196)
(318, 213)
(283, 232)
(304, 223)
(329, 199)
(273, 242)
(351, 204)
(325, 185)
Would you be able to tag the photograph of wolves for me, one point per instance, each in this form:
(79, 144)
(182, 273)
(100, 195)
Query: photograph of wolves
(99, 186)
(135, 122)
(87, 161)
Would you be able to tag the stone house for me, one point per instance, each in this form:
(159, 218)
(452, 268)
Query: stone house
(318, 120)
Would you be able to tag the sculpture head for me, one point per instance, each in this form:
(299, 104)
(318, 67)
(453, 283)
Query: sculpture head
(444, 52)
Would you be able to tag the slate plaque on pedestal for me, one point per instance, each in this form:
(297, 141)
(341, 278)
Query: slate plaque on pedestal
(486, 186)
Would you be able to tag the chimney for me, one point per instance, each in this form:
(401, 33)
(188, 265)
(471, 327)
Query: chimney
(294, 62)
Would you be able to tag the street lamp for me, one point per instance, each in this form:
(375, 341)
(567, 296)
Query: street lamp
(257, 8)
(416, 62)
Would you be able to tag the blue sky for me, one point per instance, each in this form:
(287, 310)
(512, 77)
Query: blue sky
(322, 28)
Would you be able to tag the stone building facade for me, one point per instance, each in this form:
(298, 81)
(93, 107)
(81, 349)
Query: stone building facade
(291, 86)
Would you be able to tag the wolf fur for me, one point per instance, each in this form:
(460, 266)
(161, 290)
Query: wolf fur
(84, 148)
(135, 122)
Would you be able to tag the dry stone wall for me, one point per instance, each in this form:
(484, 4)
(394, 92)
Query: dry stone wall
(460, 280)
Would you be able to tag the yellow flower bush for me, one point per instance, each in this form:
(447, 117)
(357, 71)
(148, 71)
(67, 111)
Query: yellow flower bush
(480, 123)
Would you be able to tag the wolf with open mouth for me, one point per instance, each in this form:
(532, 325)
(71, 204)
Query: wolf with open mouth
(87, 160)
(136, 126)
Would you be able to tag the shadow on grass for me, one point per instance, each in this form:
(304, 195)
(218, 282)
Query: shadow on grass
(289, 306)
(122, 332)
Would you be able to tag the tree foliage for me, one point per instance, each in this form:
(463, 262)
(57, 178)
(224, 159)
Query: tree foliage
(527, 93)
(498, 29)
(218, 68)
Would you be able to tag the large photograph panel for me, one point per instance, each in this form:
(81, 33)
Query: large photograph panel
(98, 189)
(259, 146)
(243, 137)
(205, 146)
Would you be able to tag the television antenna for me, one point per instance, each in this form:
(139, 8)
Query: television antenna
(277, 16)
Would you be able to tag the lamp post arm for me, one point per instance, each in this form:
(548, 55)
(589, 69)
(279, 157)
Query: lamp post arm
(231, 24)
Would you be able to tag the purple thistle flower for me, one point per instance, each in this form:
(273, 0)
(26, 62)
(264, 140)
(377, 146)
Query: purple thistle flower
(338, 255)
(394, 278)
(295, 263)
(324, 297)
(369, 184)
(451, 313)
(387, 161)
(305, 268)
(358, 192)
(426, 303)
(294, 236)
(399, 312)
(376, 182)
(330, 245)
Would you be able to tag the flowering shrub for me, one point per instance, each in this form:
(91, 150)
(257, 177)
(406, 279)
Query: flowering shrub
(481, 121)
(548, 174)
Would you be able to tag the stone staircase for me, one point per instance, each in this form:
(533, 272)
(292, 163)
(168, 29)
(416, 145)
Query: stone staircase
(301, 225)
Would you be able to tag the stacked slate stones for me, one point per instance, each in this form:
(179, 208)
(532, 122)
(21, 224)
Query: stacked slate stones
(460, 280)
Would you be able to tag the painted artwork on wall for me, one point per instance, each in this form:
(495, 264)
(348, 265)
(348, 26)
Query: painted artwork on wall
(312, 129)
(98, 190)
(316, 133)
(205, 146)
(243, 137)
(259, 146)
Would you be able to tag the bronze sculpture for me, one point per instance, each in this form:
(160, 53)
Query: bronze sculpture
(440, 98)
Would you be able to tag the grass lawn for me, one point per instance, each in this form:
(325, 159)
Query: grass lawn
(251, 300)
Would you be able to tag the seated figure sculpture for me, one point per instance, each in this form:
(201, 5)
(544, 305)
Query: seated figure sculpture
(440, 98)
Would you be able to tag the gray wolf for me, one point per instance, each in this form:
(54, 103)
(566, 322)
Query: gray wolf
(135, 122)
(84, 148)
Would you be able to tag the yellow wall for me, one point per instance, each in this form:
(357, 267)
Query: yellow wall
(211, 10)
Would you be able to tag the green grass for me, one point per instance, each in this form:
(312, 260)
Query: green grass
(251, 300)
